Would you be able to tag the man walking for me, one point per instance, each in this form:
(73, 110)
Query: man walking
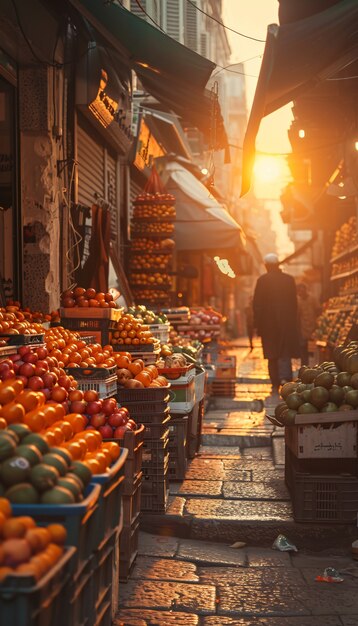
(276, 320)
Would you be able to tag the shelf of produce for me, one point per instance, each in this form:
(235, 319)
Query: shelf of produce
(151, 286)
(343, 308)
(152, 219)
(349, 292)
(345, 253)
(158, 252)
(150, 235)
(345, 274)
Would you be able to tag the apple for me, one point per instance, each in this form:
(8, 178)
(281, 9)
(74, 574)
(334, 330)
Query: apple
(42, 352)
(64, 381)
(16, 357)
(97, 420)
(8, 375)
(59, 394)
(116, 419)
(35, 383)
(119, 432)
(27, 369)
(94, 407)
(24, 379)
(30, 357)
(109, 405)
(132, 424)
(50, 379)
(106, 431)
(39, 371)
(78, 406)
(47, 393)
(23, 350)
(43, 363)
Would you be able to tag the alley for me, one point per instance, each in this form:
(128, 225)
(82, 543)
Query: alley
(209, 560)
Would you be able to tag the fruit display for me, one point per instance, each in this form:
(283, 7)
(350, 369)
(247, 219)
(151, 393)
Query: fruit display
(72, 351)
(81, 297)
(27, 549)
(346, 238)
(131, 331)
(152, 228)
(105, 416)
(133, 374)
(147, 316)
(13, 321)
(328, 387)
(204, 324)
(335, 321)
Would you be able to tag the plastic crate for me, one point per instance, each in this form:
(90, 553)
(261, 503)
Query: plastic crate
(7, 350)
(144, 395)
(131, 502)
(200, 380)
(25, 602)
(97, 326)
(155, 471)
(148, 412)
(128, 549)
(154, 430)
(225, 388)
(141, 348)
(102, 582)
(331, 499)
(225, 367)
(80, 520)
(110, 502)
(156, 502)
(160, 331)
(155, 451)
(179, 374)
(90, 313)
(184, 397)
(87, 373)
(178, 429)
(316, 466)
(106, 388)
(133, 442)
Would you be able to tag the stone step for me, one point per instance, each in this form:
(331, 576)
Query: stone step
(238, 440)
(236, 404)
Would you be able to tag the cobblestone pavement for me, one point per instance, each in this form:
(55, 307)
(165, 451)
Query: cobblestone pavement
(187, 573)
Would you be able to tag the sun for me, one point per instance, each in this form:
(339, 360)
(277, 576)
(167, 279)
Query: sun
(267, 169)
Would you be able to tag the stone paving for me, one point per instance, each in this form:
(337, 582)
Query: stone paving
(188, 574)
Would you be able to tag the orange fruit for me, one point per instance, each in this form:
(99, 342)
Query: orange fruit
(144, 378)
(58, 533)
(113, 449)
(77, 421)
(35, 420)
(3, 423)
(93, 465)
(75, 449)
(91, 440)
(27, 521)
(5, 507)
(5, 571)
(13, 529)
(54, 551)
(102, 460)
(13, 413)
(29, 569)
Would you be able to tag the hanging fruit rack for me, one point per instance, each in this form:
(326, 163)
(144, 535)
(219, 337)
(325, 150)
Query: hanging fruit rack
(152, 246)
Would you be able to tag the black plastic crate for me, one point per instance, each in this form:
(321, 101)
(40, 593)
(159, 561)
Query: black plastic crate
(152, 472)
(177, 466)
(155, 451)
(317, 466)
(324, 498)
(148, 412)
(131, 503)
(156, 431)
(145, 395)
(128, 549)
(89, 373)
(156, 500)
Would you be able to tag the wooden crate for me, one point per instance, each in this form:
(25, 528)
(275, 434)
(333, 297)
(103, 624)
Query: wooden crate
(323, 435)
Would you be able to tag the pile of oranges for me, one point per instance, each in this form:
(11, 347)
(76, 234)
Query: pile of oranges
(81, 297)
(14, 322)
(71, 351)
(25, 548)
(134, 374)
(131, 331)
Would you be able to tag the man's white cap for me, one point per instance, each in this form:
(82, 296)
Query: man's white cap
(271, 259)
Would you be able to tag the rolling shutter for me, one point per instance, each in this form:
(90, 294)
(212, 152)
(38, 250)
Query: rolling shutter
(172, 26)
(191, 27)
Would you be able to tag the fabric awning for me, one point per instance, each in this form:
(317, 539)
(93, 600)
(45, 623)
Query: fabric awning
(201, 222)
(297, 57)
(171, 72)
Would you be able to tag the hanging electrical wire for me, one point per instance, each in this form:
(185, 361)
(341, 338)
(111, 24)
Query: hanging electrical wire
(223, 25)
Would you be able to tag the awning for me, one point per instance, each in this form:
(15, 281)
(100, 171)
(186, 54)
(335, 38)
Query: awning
(297, 57)
(171, 72)
(201, 222)
(167, 129)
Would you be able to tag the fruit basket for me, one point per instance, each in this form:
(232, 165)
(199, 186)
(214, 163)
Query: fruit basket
(106, 387)
(23, 340)
(143, 395)
(89, 373)
(112, 483)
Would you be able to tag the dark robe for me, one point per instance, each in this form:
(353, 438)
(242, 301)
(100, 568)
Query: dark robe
(275, 315)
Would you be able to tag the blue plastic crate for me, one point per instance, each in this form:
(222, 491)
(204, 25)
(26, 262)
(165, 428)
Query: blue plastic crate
(81, 521)
(25, 602)
(110, 502)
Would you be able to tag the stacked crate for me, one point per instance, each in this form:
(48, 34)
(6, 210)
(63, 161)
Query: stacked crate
(225, 376)
(150, 407)
(131, 497)
(97, 322)
(100, 379)
(321, 467)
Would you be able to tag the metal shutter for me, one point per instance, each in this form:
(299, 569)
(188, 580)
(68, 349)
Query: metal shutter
(112, 195)
(137, 10)
(172, 26)
(90, 157)
(204, 45)
(191, 27)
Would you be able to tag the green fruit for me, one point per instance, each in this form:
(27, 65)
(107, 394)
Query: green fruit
(353, 363)
(10, 433)
(82, 471)
(75, 478)
(330, 407)
(305, 395)
(7, 447)
(307, 408)
(346, 389)
(336, 394)
(294, 400)
(43, 476)
(15, 470)
(57, 461)
(23, 493)
(286, 389)
(71, 484)
(309, 375)
(288, 417)
(36, 440)
(345, 407)
(282, 406)
(319, 396)
(351, 397)
(324, 380)
(64, 453)
(301, 387)
(301, 370)
(58, 495)
(29, 452)
(20, 430)
(354, 381)
(343, 379)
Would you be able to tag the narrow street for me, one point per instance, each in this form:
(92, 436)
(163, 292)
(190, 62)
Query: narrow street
(188, 572)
